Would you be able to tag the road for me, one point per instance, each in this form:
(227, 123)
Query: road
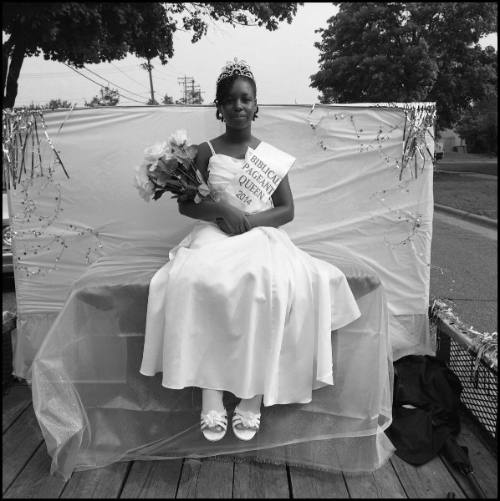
(460, 162)
(464, 270)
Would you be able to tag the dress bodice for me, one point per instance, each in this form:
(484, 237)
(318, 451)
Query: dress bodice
(224, 173)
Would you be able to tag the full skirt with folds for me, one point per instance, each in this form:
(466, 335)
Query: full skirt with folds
(251, 314)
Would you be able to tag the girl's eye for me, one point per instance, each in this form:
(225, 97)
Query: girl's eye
(245, 100)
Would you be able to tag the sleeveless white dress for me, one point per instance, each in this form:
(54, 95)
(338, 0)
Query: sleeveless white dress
(249, 314)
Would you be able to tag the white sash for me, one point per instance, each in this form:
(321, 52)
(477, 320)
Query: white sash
(261, 173)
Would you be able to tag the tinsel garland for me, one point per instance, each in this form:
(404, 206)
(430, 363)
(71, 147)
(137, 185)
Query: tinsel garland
(418, 120)
(19, 128)
(483, 345)
(416, 123)
(25, 172)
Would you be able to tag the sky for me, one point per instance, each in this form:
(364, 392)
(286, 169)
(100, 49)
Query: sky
(281, 61)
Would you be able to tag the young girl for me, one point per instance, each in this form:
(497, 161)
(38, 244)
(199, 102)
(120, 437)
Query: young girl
(238, 307)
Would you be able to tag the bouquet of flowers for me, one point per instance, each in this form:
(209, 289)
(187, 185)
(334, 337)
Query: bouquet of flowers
(169, 166)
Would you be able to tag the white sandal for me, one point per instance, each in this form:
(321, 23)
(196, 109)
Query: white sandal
(213, 425)
(245, 424)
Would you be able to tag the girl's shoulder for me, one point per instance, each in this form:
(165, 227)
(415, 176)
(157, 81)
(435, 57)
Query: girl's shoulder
(204, 149)
(216, 142)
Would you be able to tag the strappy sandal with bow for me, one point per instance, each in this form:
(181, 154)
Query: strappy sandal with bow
(213, 425)
(245, 424)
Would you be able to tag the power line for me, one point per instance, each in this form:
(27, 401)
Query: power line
(109, 81)
(129, 77)
(62, 73)
(100, 85)
(170, 77)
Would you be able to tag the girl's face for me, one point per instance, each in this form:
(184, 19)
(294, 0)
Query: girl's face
(240, 105)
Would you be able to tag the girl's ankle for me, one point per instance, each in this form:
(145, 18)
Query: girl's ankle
(211, 400)
(251, 404)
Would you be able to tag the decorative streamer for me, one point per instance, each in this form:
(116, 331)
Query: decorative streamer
(484, 345)
(418, 120)
(416, 123)
(20, 130)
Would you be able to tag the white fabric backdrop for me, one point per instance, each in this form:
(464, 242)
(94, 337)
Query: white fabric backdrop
(349, 183)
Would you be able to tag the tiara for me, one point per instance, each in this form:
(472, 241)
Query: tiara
(235, 68)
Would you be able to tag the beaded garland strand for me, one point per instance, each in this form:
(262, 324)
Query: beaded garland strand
(20, 129)
(416, 123)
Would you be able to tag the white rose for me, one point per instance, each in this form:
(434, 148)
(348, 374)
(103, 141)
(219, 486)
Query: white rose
(154, 152)
(141, 172)
(145, 192)
(142, 183)
(178, 138)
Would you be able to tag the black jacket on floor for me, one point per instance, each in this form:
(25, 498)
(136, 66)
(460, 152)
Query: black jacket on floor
(425, 409)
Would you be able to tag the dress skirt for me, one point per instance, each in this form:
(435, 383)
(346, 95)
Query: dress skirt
(228, 326)
(249, 314)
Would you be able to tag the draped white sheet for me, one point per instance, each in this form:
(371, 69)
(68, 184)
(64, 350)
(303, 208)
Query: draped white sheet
(354, 207)
(337, 192)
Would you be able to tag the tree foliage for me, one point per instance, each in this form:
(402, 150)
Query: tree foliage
(108, 97)
(55, 104)
(193, 96)
(478, 125)
(81, 33)
(167, 99)
(418, 51)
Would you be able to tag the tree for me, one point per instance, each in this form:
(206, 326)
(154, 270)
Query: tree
(418, 51)
(80, 33)
(478, 125)
(193, 96)
(55, 104)
(167, 99)
(109, 97)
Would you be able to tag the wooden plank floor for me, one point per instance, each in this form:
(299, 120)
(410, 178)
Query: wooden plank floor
(26, 467)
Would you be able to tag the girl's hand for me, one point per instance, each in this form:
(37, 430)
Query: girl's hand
(185, 197)
(233, 221)
(223, 226)
(182, 202)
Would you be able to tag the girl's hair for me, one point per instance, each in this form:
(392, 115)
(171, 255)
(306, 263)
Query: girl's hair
(224, 87)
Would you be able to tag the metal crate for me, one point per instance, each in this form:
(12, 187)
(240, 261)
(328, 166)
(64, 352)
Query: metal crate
(478, 375)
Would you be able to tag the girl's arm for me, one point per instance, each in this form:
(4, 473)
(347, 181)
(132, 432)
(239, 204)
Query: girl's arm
(281, 213)
(234, 221)
(212, 211)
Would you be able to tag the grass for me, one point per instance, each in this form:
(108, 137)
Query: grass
(471, 194)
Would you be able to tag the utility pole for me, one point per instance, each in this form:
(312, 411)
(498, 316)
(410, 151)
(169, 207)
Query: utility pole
(149, 67)
(184, 82)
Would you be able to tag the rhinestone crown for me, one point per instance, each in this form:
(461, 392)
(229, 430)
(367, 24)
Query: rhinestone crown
(235, 68)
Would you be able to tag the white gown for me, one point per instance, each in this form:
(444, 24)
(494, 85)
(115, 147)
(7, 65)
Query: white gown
(249, 314)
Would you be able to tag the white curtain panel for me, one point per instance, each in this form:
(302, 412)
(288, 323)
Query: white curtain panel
(362, 181)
